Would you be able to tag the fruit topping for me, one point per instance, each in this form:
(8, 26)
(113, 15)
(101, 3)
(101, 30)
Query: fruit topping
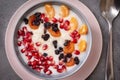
(60, 49)
(49, 10)
(33, 23)
(54, 32)
(64, 11)
(73, 24)
(70, 63)
(55, 27)
(55, 43)
(46, 37)
(77, 61)
(65, 59)
(69, 55)
(45, 54)
(66, 42)
(47, 25)
(82, 45)
(57, 52)
(69, 48)
(45, 46)
(77, 52)
(25, 20)
(54, 20)
(61, 56)
(38, 43)
(83, 30)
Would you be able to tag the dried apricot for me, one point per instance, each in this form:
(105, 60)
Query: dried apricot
(53, 33)
(31, 19)
(69, 48)
(82, 45)
(49, 10)
(83, 30)
(64, 11)
(70, 63)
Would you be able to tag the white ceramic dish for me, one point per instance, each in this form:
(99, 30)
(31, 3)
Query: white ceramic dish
(21, 70)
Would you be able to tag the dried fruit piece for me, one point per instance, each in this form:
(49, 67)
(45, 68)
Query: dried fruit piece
(73, 24)
(49, 10)
(82, 45)
(69, 48)
(77, 61)
(64, 11)
(31, 19)
(83, 30)
(70, 63)
(54, 33)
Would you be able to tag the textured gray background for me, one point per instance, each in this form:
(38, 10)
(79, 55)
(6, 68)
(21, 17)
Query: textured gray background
(8, 7)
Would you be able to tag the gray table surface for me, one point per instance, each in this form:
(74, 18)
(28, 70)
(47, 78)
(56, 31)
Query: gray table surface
(7, 9)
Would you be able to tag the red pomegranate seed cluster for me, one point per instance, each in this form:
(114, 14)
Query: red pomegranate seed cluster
(75, 36)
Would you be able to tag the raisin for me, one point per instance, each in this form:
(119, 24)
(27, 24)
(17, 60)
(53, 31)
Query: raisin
(47, 25)
(57, 52)
(45, 37)
(45, 54)
(65, 59)
(66, 42)
(61, 56)
(37, 14)
(60, 49)
(25, 20)
(36, 22)
(55, 27)
(69, 55)
(77, 61)
(55, 43)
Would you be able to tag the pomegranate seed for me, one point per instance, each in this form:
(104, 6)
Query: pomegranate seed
(34, 63)
(47, 71)
(54, 20)
(67, 28)
(23, 50)
(60, 20)
(60, 70)
(33, 66)
(77, 52)
(29, 57)
(45, 46)
(64, 67)
(29, 34)
(78, 36)
(42, 16)
(24, 29)
(38, 43)
(38, 69)
(66, 23)
(55, 66)
(75, 32)
(61, 26)
(50, 58)
(46, 19)
(29, 63)
(52, 63)
(19, 43)
(60, 63)
(74, 40)
(21, 33)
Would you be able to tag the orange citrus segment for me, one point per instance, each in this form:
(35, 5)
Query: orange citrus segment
(70, 63)
(50, 10)
(83, 30)
(73, 24)
(64, 11)
(82, 45)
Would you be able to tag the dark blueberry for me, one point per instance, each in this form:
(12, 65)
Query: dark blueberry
(45, 54)
(25, 20)
(61, 56)
(55, 43)
(77, 61)
(60, 49)
(46, 37)
(55, 27)
(65, 59)
(57, 52)
(66, 42)
(47, 25)
(36, 22)
(69, 55)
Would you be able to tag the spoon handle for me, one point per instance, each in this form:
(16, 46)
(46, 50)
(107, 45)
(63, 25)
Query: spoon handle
(109, 74)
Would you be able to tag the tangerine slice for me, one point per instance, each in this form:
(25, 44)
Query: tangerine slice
(50, 10)
(69, 48)
(70, 63)
(53, 33)
(82, 45)
(31, 19)
(83, 30)
(64, 11)
(73, 24)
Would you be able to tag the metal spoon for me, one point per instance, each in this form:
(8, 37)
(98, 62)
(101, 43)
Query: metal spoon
(110, 10)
